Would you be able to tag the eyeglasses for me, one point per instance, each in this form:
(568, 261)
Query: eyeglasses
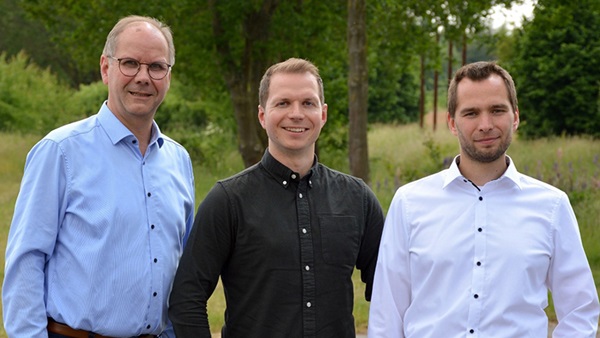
(131, 67)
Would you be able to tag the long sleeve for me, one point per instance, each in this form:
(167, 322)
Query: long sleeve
(570, 278)
(197, 275)
(31, 241)
(367, 257)
(391, 287)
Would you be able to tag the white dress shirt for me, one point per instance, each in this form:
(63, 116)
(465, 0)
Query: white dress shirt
(457, 260)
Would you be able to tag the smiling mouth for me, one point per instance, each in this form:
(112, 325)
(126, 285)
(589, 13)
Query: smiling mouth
(140, 94)
(295, 130)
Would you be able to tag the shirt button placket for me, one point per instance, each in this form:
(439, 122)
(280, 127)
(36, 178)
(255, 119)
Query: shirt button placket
(307, 259)
(478, 277)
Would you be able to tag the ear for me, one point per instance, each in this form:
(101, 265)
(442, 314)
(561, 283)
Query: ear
(104, 69)
(324, 114)
(451, 123)
(261, 116)
(516, 120)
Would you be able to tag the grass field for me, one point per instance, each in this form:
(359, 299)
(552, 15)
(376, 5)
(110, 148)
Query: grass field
(398, 154)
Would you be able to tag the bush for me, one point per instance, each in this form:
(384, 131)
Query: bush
(32, 100)
(87, 100)
(555, 69)
(181, 109)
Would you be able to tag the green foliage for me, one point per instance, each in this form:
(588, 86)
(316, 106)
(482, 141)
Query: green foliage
(314, 30)
(32, 100)
(87, 99)
(393, 91)
(392, 98)
(79, 28)
(556, 69)
(181, 110)
(205, 128)
(21, 33)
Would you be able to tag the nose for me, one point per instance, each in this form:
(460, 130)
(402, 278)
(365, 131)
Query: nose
(296, 111)
(486, 122)
(143, 74)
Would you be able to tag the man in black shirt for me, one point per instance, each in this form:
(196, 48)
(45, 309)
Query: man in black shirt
(284, 234)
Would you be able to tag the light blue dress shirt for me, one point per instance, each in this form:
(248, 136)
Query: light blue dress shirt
(97, 232)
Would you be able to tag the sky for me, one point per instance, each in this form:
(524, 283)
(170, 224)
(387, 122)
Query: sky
(512, 16)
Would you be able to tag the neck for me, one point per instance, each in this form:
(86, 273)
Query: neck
(300, 162)
(481, 173)
(141, 129)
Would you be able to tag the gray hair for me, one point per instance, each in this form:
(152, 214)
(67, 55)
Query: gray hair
(113, 36)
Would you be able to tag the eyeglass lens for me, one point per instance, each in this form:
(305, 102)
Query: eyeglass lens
(156, 70)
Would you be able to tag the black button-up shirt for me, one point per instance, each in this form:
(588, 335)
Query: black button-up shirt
(285, 248)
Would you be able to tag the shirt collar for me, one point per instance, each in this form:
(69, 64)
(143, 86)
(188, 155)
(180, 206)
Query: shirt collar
(511, 172)
(283, 174)
(117, 131)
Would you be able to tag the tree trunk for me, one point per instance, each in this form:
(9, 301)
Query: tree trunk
(422, 92)
(358, 152)
(450, 59)
(436, 75)
(242, 77)
(464, 48)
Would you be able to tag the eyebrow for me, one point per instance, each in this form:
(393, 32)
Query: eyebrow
(500, 105)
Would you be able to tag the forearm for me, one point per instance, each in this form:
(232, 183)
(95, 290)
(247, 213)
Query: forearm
(189, 318)
(23, 305)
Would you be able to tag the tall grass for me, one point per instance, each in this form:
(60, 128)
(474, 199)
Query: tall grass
(398, 154)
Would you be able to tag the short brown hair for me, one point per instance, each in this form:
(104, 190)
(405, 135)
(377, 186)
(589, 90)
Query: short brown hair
(479, 71)
(291, 65)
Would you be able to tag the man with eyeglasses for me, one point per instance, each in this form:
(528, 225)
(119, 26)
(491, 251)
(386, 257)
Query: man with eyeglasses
(105, 207)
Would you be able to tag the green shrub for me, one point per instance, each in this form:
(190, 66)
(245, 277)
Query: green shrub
(32, 100)
(181, 110)
(87, 100)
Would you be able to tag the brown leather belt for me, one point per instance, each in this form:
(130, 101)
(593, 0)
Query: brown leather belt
(65, 330)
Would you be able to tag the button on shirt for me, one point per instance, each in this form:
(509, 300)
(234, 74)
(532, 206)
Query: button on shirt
(458, 260)
(285, 248)
(97, 231)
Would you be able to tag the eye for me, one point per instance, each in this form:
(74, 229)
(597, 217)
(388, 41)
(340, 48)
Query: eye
(130, 63)
(309, 103)
(158, 66)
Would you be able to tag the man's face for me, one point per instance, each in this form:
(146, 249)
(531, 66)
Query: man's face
(137, 97)
(293, 114)
(484, 121)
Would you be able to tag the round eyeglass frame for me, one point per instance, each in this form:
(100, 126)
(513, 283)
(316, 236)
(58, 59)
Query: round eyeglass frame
(119, 60)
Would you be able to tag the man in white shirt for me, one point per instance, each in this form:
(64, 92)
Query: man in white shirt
(472, 251)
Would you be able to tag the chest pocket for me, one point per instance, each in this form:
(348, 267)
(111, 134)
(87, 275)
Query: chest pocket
(340, 239)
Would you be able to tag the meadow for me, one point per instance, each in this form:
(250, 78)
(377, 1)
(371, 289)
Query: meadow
(398, 154)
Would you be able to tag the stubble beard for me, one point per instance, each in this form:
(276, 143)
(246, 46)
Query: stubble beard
(485, 155)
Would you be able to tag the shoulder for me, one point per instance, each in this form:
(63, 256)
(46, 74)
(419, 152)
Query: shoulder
(540, 189)
(342, 185)
(73, 130)
(241, 176)
(67, 137)
(168, 141)
(234, 187)
(174, 147)
(332, 175)
(241, 183)
(427, 183)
